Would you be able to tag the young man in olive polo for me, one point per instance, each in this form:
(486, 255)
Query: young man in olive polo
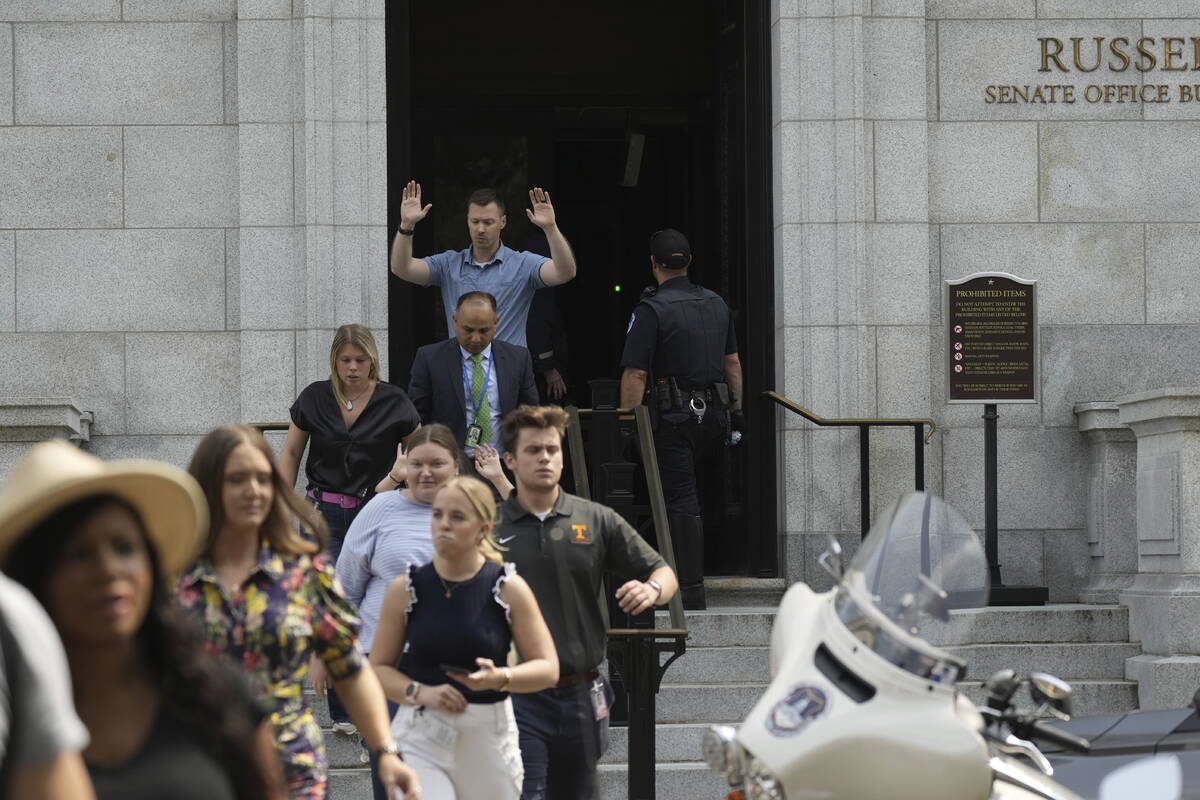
(562, 546)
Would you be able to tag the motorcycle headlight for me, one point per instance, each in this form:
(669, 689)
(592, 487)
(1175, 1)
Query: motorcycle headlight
(761, 783)
(723, 754)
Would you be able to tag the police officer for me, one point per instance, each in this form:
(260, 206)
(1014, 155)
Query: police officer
(681, 358)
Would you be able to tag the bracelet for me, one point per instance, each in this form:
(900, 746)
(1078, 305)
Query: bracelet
(392, 478)
(507, 679)
(404, 232)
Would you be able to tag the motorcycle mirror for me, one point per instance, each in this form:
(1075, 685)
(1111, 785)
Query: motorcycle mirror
(1155, 778)
(1000, 689)
(831, 559)
(1053, 693)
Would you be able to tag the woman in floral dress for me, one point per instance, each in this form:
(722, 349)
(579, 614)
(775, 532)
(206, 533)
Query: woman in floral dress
(268, 599)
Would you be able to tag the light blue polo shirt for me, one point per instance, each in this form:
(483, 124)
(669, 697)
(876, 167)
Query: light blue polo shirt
(512, 277)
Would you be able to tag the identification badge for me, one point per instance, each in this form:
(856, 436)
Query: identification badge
(436, 728)
(599, 701)
(474, 432)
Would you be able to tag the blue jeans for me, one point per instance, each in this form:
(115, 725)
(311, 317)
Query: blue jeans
(338, 520)
(376, 786)
(561, 741)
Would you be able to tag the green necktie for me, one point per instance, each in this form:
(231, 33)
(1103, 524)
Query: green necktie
(483, 409)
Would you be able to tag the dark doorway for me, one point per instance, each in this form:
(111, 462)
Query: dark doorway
(636, 116)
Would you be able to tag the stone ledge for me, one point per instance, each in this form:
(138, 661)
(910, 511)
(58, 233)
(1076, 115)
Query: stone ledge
(34, 419)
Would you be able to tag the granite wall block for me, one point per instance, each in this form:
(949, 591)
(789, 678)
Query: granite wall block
(983, 172)
(1106, 259)
(1172, 262)
(272, 279)
(8, 277)
(1099, 9)
(894, 68)
(181, 176)
(266, 177)
(60, 10)
(179, 10)
(6, 75)
(267, 368)
(266, 71)
(119, 74)
(60, 177)
(804, 88)
(1042, 480)
(1078, 363)
(980, 9)
(181, 382)
(1119, 172)
(124, 280)
(901, 171)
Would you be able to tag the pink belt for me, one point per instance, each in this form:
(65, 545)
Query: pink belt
(343, 500)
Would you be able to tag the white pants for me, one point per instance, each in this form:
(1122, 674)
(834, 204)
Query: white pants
(462, 756)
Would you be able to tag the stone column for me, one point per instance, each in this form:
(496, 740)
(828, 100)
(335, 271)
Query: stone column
(852, 252)
(1164, 600)
(1111, 503)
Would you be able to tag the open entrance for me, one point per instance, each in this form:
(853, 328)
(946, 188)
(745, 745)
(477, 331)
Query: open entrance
(635, 116)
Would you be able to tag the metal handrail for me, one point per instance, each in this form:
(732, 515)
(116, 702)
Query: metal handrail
(864, 425)
(879, 422)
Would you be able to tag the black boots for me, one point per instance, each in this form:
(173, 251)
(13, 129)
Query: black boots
(687, 537)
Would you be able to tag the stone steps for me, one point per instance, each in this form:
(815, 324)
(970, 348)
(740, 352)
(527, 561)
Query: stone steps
(674, 742)
(730, 592)
(1051, 624)
(1072, 662)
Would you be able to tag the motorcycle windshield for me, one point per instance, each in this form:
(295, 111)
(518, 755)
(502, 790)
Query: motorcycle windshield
(918, 562)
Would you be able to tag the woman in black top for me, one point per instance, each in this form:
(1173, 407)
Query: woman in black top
(96, 544)
(352, 424)
(448, 625)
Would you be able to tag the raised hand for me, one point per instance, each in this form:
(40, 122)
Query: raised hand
(411, 211)
(399, 471)
(542, 213)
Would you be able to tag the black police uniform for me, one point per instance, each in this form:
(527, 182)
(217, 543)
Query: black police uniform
(680, 334)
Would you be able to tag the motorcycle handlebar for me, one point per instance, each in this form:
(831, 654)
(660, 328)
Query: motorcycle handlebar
(1035, 729)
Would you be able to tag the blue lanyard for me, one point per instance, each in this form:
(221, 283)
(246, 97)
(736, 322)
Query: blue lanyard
(468, 380)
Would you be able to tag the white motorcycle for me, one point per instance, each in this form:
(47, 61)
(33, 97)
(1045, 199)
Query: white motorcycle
(860, 707)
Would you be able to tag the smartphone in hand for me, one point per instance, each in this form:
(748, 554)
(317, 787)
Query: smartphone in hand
(451, 669)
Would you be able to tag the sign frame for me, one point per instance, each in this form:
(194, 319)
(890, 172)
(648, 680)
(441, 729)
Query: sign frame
(1036, 331)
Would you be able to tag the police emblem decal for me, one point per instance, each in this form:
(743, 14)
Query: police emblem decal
(792, 714)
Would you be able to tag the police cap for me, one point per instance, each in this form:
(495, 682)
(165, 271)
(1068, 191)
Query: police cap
(670, 248)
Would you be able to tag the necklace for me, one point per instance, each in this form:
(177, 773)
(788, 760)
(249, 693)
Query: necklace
(449, 586)
(350, 401)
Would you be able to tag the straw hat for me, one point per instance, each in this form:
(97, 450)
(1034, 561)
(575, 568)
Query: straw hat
(54, 474)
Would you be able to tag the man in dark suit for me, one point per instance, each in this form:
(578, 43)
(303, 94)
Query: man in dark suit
(470, 382)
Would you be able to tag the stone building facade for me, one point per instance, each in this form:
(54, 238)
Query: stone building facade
(895, 173)
(195, 195)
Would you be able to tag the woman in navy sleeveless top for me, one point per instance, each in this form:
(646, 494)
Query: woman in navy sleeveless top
(441, 647)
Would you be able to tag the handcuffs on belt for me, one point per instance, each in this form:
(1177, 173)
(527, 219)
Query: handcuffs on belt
(698, 407)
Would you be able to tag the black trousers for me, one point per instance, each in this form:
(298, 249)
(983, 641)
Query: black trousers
(680, 446)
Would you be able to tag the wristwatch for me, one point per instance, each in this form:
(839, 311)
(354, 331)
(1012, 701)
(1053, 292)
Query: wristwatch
(390, 747)
(410, 693)
(657, 586)
(403, 232)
